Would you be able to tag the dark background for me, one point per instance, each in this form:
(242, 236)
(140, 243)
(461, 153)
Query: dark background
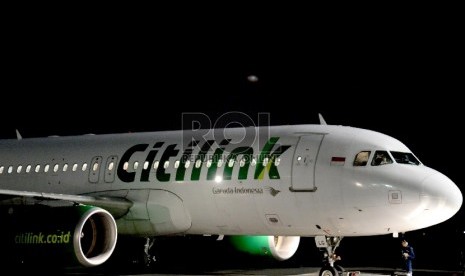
(101, 71)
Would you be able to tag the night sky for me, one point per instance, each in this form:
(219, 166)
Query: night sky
(401, 78)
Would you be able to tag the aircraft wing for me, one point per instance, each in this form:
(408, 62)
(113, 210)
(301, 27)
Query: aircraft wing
(118, 207)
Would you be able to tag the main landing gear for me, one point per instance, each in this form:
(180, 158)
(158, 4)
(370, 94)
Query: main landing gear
(149, 259)
(328, 246)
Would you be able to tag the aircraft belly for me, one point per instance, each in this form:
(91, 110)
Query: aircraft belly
(167, 213)
(237, 211)
(229, 210)
(155, 212)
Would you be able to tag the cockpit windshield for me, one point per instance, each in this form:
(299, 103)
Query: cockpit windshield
(381, 157)
(405, 158)
(361, 159)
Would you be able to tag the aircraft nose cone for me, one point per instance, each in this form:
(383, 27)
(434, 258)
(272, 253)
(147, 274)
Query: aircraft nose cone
(441, 196)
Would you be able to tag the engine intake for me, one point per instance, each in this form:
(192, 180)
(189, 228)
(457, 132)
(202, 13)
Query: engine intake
(84, 235)
(94, 237)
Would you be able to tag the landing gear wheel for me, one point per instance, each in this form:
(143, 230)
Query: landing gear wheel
(328, 271)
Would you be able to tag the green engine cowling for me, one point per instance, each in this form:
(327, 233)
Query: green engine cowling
(279, 247)
(75, 235)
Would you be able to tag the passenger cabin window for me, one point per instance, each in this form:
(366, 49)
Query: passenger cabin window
(361, 159)
(75, 167)
(265, 161)
(37, 168)
(381, 158)
(19, 169)
(254, 162)
(65, 167)
(1, 169)
(405, 158)
(231, 163)
(28, 168)
(84, 167)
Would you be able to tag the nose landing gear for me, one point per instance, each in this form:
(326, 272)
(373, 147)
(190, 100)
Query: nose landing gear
(328, 246)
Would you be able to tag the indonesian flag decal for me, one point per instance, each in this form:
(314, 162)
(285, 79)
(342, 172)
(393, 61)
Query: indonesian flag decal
(337, 161)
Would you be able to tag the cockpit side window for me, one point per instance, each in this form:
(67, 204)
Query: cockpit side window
(361, 159)
(405, 158)
(381, 157)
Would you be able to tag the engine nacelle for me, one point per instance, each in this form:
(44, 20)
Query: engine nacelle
(84, 235)
(279, 247)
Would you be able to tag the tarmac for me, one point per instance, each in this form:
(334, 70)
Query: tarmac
(302, 271)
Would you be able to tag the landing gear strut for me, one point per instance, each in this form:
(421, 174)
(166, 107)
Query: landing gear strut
(148, 258)
(328, 245)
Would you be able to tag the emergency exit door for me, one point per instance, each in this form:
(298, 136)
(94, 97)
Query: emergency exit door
(303, 165)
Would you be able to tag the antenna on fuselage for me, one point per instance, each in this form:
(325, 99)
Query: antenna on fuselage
(322, 120)
(18, 135)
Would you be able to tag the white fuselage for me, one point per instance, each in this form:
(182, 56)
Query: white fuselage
(283, 180)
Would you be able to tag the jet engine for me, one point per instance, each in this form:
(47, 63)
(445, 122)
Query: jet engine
(83, 235)
(279, 247)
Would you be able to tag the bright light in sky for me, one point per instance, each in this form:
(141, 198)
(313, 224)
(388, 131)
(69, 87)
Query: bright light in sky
(252, 78)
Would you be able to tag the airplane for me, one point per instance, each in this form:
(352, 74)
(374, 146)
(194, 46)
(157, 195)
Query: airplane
(71, 197)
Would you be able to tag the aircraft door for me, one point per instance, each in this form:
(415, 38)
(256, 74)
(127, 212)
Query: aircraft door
(303, 165)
